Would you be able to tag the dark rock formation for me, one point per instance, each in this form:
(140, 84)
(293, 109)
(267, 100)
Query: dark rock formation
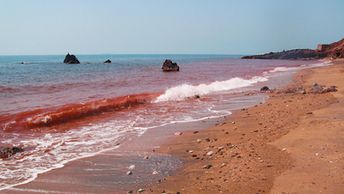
(318, 89)
(293, 90)
(334, 50)
(264, 89)
(71, 59)
(6, 152)
(169, 66)
(108, 61)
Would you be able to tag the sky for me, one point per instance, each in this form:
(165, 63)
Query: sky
(40, 27)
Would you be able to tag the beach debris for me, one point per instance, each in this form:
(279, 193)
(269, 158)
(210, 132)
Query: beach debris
(108, 61)
(140, 190)
(131, 167)
(265, 89)
(169, 66)
(178, 133)
(208, 166)
(6, 152)
(129, 172)
(71, 59)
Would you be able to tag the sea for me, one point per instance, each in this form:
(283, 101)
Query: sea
(63, 112)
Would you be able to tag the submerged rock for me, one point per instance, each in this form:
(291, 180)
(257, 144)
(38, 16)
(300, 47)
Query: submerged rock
(108, 61)
(169, 66)
(71, 59)
(6, 152)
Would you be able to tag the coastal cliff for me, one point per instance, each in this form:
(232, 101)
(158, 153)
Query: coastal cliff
(334, 50)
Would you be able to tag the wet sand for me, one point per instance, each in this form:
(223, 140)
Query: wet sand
(292, 144)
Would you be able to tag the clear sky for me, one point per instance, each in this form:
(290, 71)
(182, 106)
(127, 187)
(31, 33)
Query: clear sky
(167, 26)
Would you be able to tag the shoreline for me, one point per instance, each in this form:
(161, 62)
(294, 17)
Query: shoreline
(162, 152)
(245, 154)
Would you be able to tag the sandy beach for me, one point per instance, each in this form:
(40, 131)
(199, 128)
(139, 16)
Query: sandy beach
(293, 143)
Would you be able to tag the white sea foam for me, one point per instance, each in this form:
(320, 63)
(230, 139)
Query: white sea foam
(186, 90)
(283, 69)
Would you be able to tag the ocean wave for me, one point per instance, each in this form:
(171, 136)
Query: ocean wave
(49, 117)
(184, 91)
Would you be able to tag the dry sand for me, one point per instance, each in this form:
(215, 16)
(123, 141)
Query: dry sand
(293, 143)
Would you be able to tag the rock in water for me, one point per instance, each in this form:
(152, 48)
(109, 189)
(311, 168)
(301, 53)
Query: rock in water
(169, 66)
(108, 61)
(6, 152)
(265, 89)
(71, 59)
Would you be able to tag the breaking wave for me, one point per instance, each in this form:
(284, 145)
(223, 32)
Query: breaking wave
(185, 90)
(48, 117)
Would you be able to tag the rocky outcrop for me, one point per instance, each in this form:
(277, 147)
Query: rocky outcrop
(6, 152)
(169, 66)
(318, 89)
(71, 59)
(334, 50)
(108, 61)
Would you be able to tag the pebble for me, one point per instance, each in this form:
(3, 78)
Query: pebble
(178, 133)
(140, 190)
(199, 140)
(131, 167)
(210, 153)
(207, 166)
(146, 157)
(155, 172)
(129, 173)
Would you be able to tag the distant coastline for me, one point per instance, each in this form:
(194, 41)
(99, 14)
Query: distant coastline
(333, 50)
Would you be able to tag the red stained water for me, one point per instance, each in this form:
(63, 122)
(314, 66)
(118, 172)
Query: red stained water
(62, 118)
(67, 113)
